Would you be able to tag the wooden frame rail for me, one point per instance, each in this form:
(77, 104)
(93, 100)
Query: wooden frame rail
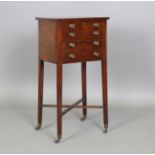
(70, 107)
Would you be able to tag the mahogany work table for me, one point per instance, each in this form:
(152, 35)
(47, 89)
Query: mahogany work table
(70, 40)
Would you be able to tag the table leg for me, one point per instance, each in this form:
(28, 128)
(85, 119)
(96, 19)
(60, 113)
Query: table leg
(105, 95)
(84, 88)
(40, 92)
(59, 102)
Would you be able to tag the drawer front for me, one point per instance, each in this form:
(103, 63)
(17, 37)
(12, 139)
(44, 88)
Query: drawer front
(78, 45)
(82, 51)
(83, 40)
(84, 30)
(78, 56)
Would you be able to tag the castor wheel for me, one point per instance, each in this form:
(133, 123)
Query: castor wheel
(105, 130)
(58, 140)
(38, 127)
(83, 118)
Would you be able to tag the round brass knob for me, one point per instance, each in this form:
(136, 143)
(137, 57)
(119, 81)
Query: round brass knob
(96, 43)
(96, 24)
(96, 33)
(72, 26)
(72, 56)
(72, 44)
(71, 34)
(96, 54)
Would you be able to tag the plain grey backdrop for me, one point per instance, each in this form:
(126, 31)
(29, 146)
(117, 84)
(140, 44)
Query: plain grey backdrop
(131, 81)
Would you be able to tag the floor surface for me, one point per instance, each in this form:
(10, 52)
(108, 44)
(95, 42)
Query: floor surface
(131, 129)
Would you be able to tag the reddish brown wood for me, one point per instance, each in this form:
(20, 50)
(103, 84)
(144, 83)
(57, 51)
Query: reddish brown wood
(40, 91)
(73, 19)
(83, 40)
(84, 88)
(104, 81)
(83, 51)
(83, 30)
(59, 100)
(71, 106)
(47, 40)
(52, 31)
(75, 106)
(70, 40)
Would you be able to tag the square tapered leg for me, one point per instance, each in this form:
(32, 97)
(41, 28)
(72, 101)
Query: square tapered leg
(40, 92)
(59, 102)
(84, 89)
(105, 95)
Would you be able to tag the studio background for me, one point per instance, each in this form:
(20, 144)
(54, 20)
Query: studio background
(131, 84)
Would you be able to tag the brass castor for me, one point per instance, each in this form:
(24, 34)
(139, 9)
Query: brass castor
(83, 118)
(38, 127)
(58, 140)
(105, 130)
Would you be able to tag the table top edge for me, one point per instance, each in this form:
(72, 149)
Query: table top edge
(73, 18)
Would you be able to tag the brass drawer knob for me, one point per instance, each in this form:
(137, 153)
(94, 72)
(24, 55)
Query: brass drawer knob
(96, 33)
(72, 26)
(72, 44)
(71, 34)
(72, 56)
(96, 54)
(97, 43)
(96, 24)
